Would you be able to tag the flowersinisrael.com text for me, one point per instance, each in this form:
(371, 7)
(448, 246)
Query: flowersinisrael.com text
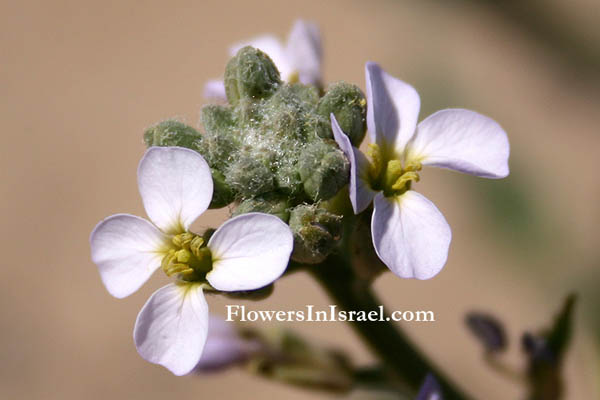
(332, 314)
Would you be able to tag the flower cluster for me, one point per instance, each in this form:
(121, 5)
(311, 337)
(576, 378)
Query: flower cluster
(281, 152)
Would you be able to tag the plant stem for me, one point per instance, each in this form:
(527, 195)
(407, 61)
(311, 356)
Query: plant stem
(383, 337)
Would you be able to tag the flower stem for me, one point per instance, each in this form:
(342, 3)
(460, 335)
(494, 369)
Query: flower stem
(383, 337)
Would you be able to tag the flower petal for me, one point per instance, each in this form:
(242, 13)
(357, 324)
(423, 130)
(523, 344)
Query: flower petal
(361, 193)
(304, 52)
(410, 235)
(249, 252)
(127, 250)
(171, 328)
(393, 109)
(176, 186)
(215, 89)
(461, 140)
(224, 346)
(273, 48)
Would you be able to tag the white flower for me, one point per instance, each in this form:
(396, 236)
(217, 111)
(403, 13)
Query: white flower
(247, 252)
(297, 60)
(410, 235)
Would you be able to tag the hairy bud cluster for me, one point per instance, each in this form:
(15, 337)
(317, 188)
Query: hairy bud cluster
(271, 149)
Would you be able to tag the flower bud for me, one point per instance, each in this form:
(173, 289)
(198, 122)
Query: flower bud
(220, 141)
(285, 114)
(316, 232)
(287, 177)
(349, 106)
(318, 126)
(249, 175)
(489, 330)
(324, 170)
(216, 118)
(269, 204)
(250, 74)
(309, 95)
(173, 133)
(222, 193)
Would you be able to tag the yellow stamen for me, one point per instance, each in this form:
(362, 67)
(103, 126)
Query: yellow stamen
(387, 172)
(413, 166)
(195, 245)
(403, 180)
(189, 259)
(171, 264)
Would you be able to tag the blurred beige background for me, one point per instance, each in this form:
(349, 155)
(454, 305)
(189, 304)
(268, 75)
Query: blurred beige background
(81, 80)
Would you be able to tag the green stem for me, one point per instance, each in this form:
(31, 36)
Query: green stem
(383, 337)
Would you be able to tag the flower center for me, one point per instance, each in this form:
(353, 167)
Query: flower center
(389, 174)
(189, 258)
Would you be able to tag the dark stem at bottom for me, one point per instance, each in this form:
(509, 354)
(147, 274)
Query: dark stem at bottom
(384, 338)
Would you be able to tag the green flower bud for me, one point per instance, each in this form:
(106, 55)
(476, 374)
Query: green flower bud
(216, 119)
(273, 204)
(284, 122)
(287, 178)
(250, 74)
(308, 95)
(173, 133)
(287, 111)
(222, 193)
(247, 113)
(249, 176)
(317, 126)
(220, 141)
(316, 232)
(349, 106)
(324, 170)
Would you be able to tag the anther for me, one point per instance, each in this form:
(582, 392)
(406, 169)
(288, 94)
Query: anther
(405, 178)
(196, 245)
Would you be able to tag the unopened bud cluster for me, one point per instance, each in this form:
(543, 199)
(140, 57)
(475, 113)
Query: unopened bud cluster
(271, 149)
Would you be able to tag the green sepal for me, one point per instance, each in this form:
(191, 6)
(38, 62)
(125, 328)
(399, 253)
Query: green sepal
(316, 233)
(250, 175)
(220, 140)
(173, 133)
(272, 203)
(348, 104)
(324, 170)
(222, 193)
(250, 74)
